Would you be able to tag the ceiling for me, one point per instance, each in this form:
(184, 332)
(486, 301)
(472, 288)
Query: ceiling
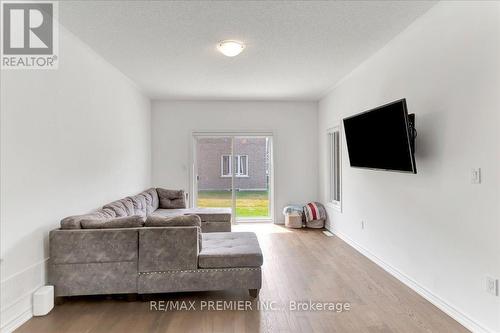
(296, 50)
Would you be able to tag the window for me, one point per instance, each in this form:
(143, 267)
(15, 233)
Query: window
(226, 166)
(334, 165)
(242, 169)
(240, 163)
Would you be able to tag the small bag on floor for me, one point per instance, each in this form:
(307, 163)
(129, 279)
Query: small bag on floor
(315, 215)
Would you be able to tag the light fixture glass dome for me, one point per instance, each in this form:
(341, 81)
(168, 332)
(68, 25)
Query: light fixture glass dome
(230, 48)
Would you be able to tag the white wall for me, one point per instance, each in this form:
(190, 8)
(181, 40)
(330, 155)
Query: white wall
(434, 228)
(293, 124)
(72, 139)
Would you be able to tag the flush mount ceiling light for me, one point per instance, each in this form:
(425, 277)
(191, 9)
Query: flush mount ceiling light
(230, 48)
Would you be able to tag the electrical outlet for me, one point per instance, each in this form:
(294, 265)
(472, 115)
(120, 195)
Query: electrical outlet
(492, 285)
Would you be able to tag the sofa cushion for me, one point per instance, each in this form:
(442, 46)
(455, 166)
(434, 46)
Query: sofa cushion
(170, 199)
(152, 201)
(139, 203)
(172, 221)
(230, 249)
(205, 214)
(134, 221)
(122, 207)
(106, 213)
(73, 222)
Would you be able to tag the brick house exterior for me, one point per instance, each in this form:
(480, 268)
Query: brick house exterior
(214, 171)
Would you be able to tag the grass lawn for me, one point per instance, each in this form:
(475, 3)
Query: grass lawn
(248, 203)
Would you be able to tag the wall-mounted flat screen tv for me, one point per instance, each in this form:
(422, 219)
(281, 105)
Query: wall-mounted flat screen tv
(382, 138)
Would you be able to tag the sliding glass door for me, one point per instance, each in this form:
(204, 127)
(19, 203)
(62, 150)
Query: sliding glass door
(213, 179)
(234, 171)
(252, 175)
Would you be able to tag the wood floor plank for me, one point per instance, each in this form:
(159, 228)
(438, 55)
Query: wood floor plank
(299, 265)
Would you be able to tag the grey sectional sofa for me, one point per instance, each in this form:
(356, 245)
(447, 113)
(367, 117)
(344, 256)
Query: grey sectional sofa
(155, 201)
(133, 245)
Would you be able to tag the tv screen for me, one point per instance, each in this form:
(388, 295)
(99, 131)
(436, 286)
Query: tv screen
(381, 138)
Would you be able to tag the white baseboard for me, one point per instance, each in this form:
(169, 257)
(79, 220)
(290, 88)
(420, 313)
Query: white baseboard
(16, 296)
(15, 323)
(280, 222)
(451, 311)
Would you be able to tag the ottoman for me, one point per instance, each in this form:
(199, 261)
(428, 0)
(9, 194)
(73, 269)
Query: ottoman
(230, 250)
(175, 259)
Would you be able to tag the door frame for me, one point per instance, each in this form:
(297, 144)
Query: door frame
(193, 186)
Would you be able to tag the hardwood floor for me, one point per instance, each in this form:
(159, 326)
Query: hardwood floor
(299, 265)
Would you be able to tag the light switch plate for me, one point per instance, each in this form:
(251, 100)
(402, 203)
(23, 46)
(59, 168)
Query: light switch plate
(476, 176)
(492, 285)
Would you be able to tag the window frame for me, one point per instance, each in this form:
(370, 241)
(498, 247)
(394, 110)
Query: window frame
(334, 167)
(238, 166)
(237, 159)
(230, 167)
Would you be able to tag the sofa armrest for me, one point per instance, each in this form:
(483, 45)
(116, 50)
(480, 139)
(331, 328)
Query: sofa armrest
(79, 246)
(168, 248)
